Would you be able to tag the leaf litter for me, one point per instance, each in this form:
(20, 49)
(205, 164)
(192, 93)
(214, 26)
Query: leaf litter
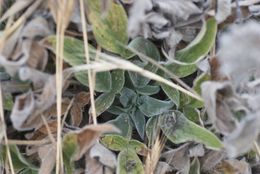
(147, 62)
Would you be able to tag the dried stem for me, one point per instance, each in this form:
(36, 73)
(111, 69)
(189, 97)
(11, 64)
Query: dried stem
(90, 79)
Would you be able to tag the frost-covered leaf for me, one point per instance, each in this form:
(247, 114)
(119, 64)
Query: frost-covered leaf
(103, 102)
(110, 30)
(152, 129)
(150, 106)
(172, 93)
(118, 80)
(122, 122)
(223, 10)
(179, 129)
(147, 48)
(129, 163)
(127, 97)
(148, 90)
(139, 121)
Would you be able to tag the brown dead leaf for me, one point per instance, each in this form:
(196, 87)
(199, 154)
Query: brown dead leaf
(87, 137)
(81, 100)
(28, 117)
(178, 158)
(28, 50)
(47, 158)
(215, 70)
(42, 132)
(211, 159)
(23, 107)
(162, 168)
(233, 166)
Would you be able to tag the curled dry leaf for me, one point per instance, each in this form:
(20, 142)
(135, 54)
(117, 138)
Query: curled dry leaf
(163, 167)
(223, 10)
(234, 166)
(242, 138)
(80, 101)
(85, 138)
(38, 78)
(47, 158)
(28, 50)
(42, 132)
(215, 95)
(29, 106)
(103, 155)
(178, 158)
(211, 159)
(146, 21)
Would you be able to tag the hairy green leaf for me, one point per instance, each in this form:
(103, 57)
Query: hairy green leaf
(195, 52)
(129, 163)
(120, 143)
(148, 90)
(110, 30)
(118, 80)
(147, 48)
(103, 102)
(139, 121)
(152, 129)
(69, 148)
(127, 97)
(122, 122)
(150, 106)
(179, 129)
(172, 93)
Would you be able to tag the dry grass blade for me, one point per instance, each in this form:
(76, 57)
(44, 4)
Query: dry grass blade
(90, 79)
(65, 7)
(16, 7)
